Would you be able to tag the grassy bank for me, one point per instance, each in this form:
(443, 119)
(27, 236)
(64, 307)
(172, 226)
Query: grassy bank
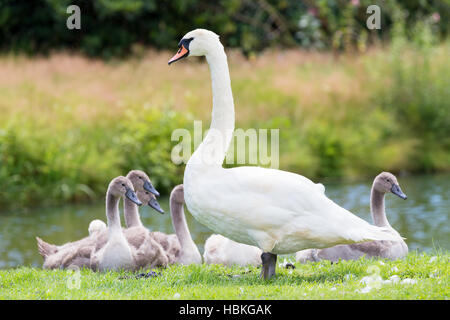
(428, 276)
(69, 124)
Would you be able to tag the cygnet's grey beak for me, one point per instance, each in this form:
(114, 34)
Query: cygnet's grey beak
(130, 194)
(155, 205)
(150, 188)
(398, 192)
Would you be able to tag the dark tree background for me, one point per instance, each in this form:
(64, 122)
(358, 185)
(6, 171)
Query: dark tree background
(117, 27)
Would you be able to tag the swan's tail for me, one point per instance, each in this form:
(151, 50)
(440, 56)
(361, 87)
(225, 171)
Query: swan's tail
(377, 234)
(45, 249)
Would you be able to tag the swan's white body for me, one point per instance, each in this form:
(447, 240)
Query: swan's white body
(221, 250)
(277, 211)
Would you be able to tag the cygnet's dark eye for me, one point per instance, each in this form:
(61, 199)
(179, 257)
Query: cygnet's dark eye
(146, 192)
(123, 184)
(388, 180)
(140, 177)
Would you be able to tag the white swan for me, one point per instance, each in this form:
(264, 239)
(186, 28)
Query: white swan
(277, 211)
(383, 183)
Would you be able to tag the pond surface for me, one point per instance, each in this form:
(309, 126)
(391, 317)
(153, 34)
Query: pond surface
(422, 219)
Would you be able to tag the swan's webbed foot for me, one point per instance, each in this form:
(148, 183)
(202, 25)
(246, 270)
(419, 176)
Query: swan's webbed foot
(269, 263)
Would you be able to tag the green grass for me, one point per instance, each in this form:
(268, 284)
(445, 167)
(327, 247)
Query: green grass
(320, 280)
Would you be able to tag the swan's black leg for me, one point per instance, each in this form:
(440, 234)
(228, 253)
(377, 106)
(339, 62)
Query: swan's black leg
(269, 263)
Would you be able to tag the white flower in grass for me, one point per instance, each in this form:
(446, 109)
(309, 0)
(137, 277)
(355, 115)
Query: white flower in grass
(408, 281)
(333, 289)
(74, 279)
(394, 269)
(432, 259)
(365, 289)
(177, 295)
(285, 263)
(395, 278)
(381, 263)
(392, 279)
(434, 274)
(372, 281)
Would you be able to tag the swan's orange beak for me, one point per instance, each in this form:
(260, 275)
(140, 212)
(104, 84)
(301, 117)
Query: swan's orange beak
(182, 52)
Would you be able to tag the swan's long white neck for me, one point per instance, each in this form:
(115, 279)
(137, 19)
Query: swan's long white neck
(212, 150)
(377, 208)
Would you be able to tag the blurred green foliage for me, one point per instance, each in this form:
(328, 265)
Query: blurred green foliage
(400, 123)
(399, 120)
(419, 97)
(116, 28)
(47, 166)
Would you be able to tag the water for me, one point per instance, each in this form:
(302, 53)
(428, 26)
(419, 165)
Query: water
(422, 219)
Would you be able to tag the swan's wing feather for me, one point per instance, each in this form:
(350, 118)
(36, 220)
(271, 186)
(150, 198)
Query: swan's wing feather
(320, 187)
